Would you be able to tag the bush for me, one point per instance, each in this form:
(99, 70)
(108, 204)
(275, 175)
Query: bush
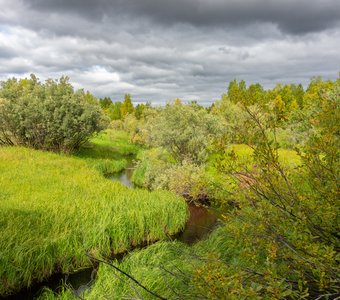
(185, 131)
(48, 116)
(157, 170)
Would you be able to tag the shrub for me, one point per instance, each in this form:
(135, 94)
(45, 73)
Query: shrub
(185, 131)
(49, 116)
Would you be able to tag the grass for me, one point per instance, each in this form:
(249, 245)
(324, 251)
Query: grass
(164, 268)
(54, 208)
(108, 152)
(287, 157)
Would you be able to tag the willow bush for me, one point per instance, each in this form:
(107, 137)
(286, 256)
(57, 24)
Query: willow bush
(49, 116)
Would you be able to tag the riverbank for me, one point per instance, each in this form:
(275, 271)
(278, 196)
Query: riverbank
(55, 209)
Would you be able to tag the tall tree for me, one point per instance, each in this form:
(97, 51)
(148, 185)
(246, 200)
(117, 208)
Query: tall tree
(127, 106)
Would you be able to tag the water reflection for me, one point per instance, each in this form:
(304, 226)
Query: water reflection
(202, 222)
(123, 177)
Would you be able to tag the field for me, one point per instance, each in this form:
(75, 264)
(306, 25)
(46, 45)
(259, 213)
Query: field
(56, 208)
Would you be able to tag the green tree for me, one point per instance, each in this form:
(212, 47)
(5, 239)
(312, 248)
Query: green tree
(139, 109)
(287, 218)
(114, 111)
(50, 116)
(105, 103)
(185, 131)
(127, 106)
(237, 91)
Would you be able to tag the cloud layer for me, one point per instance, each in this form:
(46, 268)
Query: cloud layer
(159, 50)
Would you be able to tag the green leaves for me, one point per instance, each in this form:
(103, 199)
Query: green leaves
(49, 116)
(185, 131)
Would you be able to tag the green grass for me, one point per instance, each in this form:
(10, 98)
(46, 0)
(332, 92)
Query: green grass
(108, 152)
(287, 157)
(54, 208)
(164, 268)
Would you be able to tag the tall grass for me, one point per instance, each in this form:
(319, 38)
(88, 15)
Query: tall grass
(54, 208)
(165, 268)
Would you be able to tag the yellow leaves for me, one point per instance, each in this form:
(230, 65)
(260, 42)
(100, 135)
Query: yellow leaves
(272, 251)
(278, 103)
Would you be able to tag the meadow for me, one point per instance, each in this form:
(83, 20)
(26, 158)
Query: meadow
(56, 208)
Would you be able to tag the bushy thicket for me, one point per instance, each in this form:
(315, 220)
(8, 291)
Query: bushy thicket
(49, 116)
(286, 224)
(157, 170)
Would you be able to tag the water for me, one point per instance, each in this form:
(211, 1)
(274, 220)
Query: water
(202, 221)
(78, 281)
(123, 177)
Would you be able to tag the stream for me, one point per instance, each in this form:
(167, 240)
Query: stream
(201, 222)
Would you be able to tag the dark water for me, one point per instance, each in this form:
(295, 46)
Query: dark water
(201, 222)
(78, 282)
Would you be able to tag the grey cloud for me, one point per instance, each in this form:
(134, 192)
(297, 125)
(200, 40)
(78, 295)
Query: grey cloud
(291, 16)
(161, 50)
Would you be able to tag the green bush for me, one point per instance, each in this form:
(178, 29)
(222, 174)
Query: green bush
(185, 131)
(49, 116)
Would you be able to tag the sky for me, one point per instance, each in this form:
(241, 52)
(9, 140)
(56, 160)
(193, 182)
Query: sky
(159, 50)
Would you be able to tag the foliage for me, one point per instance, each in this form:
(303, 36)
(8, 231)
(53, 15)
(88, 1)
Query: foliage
(185, 131)
(151, 164)
(105, 102)
(108, 152)
(114, 111)
(289, 216)
(209, 272)
(139, 110)
(127, 106)
(276, 185)
(49, 116)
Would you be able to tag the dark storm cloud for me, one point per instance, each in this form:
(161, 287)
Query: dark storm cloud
(160, 50)
(290, 16)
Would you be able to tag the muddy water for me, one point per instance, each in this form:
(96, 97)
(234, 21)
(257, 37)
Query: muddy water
(201, 222)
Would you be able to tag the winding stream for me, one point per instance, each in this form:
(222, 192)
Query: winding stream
(201, 222)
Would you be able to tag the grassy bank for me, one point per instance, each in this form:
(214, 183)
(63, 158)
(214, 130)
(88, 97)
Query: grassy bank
(108, 152)
(168, 269)
(54, 208)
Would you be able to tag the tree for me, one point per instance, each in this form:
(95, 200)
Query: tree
(237, 91)
(114, 111)
(49, 116)
(127, 106)
(139, 110)
(105, 103)
(185, 131)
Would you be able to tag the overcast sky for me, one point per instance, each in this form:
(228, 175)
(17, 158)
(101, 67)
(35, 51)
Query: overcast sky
(159, 50)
